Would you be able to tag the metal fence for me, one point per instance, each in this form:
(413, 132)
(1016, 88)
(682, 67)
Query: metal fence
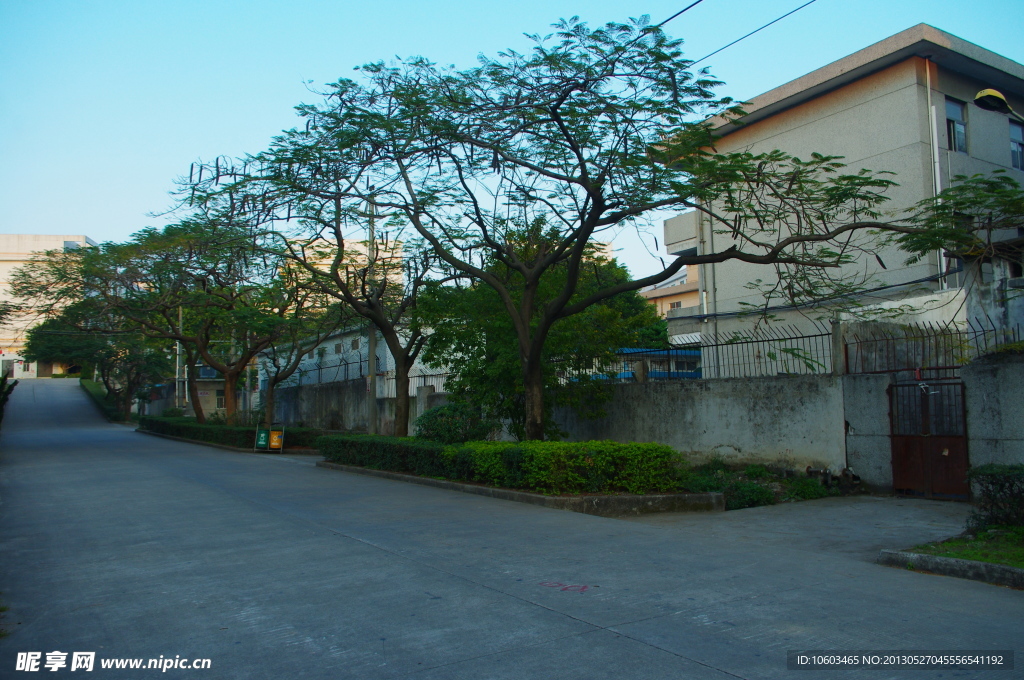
(317, 373)
(766, 351)
(927, 351)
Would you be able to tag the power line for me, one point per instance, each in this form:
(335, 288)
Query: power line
(751, 33)
(692, 5)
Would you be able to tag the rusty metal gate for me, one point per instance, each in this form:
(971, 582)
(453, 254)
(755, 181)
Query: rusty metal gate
(929, 440)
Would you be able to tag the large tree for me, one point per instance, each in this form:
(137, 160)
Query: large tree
(473, 338)
(593, 131)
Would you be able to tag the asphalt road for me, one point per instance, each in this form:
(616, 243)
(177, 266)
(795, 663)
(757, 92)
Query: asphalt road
(131, 546)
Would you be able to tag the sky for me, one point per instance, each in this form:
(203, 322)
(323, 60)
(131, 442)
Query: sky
(103, 103)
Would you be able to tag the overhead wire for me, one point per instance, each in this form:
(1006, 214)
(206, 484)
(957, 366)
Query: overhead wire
(752, 32)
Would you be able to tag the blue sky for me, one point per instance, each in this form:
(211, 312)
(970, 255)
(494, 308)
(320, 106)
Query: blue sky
(104, 102)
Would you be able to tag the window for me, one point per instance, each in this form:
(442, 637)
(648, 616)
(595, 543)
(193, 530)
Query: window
(355, 343)
(675, 305)
(337, 348)
(956, 125)
(1017, 145)
(220, 398)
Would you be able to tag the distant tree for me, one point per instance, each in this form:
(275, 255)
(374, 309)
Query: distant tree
(125, 359)
(296, 199)
(308, 322)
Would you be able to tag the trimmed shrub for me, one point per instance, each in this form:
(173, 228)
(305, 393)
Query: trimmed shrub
(545, 467)
(1000, 497)
(454, 424)
(397, 454)
(239, 437)
(569, 467)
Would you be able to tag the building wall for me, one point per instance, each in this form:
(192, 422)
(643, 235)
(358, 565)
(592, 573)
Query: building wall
(15, 251)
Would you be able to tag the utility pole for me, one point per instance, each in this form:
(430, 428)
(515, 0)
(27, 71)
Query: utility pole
(180, 398)
(371, 349)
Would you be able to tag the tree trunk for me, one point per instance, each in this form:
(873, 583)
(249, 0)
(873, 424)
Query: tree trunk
(230, 396)
(193, 392)
(126, 404)
(401, 397)
(533, 386)
(268, 403)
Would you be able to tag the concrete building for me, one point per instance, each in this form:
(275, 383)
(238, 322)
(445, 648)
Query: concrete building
(16, 250)
(676, 293)
(901, 105)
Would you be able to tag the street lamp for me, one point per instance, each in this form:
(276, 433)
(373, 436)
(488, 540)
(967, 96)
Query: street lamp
(993, 100)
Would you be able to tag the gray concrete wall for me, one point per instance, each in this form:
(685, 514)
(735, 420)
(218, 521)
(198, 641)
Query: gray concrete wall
(336, 406)
(795, 420)
(994, 391)
(868, 449)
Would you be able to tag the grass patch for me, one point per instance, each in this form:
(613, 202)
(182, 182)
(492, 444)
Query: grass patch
(996, 545)
(98, 392)
(749, 486)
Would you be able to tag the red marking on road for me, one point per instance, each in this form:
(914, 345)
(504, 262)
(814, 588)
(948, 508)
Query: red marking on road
(564, 587)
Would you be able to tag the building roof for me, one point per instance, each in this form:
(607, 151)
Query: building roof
(946, 50)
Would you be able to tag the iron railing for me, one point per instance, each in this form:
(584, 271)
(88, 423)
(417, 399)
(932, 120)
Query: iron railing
(924, 350)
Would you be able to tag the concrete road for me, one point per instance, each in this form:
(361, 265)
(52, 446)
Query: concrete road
(130, 546)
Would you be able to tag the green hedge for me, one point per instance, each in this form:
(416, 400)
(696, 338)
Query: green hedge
(397, 454)
(240, 437)
(98, 392)
(545, 467)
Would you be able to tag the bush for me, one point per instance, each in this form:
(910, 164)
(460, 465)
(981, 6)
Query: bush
(172, 412)
(545, 467)
(805, 489)
(454, 424)
(243, 437)
(1000, 497)
(740, 494)
(397, 454)
(756, 472)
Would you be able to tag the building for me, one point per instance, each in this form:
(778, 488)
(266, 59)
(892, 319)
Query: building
(675, 293)
(16, 250)
(901, 105)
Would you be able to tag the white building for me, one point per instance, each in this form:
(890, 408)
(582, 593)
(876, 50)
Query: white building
(16, 250)
(901, 105)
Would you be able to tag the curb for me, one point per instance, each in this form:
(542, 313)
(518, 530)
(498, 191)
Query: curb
(996, 574)
(603, 506)
(225, 447)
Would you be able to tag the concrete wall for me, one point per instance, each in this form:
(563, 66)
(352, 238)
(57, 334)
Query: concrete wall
(866, 411)
(794, 420)
(994, 391)
(341, 406)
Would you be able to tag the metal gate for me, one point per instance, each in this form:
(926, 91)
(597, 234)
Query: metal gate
(929, 440)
